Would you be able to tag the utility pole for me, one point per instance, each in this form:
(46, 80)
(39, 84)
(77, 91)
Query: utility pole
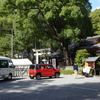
(12, 43)
(12, 36)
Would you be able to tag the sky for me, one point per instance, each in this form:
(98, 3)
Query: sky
(95, 4)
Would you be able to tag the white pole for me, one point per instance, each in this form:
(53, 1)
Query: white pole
(37, 58)
(12, 44)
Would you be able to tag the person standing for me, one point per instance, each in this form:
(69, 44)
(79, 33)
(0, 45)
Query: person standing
(75, 68)
(86, 70)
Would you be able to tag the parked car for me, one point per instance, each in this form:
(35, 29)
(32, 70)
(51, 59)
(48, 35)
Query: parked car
(7, 68)
(43, 70)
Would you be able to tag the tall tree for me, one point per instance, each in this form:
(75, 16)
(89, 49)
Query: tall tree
(5, 31)
(5, 45)
(5, 21)
(65, 21)
(95, 18)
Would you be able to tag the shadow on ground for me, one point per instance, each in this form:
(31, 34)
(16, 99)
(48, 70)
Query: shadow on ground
(46, 89)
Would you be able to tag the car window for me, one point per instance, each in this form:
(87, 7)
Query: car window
(42, 67)
(50, 67)
(3, 64)
(11, 64)
(37, 67)
(32, 66)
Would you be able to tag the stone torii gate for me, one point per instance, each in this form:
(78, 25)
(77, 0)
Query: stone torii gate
(38, 52)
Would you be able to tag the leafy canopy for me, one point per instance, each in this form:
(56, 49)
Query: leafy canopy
(64, 21)
(60, 19)
(95, 18)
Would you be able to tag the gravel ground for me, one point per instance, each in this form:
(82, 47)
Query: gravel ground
(63, 88)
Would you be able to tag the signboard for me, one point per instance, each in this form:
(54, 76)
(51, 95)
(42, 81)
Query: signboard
(54, 63)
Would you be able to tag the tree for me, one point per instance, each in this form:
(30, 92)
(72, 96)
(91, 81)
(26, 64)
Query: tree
(5, 45)
(6, 20)
(64, 21)
(95, 18)
(81, 55)
(6, 31)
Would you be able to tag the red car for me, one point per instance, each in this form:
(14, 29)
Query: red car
(43, 70)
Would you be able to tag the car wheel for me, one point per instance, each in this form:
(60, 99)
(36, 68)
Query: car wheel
(31, 77)
(10, 77)
(57, 75)
(38, 76)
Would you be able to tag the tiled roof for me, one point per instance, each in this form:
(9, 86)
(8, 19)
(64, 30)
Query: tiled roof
(91, 46)
(85, 42)
(94, 39)
(91, 59)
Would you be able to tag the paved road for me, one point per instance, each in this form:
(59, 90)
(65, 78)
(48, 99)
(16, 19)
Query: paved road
(63, 88)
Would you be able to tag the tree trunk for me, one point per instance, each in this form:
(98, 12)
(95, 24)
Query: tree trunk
(66, 56)
(66, 52)
(29, 55)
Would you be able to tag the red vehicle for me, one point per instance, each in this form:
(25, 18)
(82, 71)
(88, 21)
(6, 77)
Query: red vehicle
(43, 70)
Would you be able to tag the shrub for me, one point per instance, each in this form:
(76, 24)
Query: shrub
(69, 72)
(81, 55)
(66, 72)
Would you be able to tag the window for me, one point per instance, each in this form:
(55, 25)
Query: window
(50, 67)
(42, 67)
(37, 67)
(11, 64)
(3, 64)
(32, 66)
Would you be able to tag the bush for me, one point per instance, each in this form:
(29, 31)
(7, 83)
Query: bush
(81, 55)
(66, 72)
(69, 72)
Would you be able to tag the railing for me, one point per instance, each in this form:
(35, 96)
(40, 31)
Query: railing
(21, 71)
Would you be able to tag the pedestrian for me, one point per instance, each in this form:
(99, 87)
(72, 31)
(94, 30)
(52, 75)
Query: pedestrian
(75, 68)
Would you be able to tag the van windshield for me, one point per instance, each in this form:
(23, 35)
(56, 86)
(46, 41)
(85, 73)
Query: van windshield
(3, 64)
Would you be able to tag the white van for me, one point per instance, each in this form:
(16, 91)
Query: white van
(7, 69)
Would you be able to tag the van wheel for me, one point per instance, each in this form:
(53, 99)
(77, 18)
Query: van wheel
(10, 77)
(57, 75)
(6, 78)
(38, 76)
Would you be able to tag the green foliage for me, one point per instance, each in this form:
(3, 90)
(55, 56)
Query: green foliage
(1, 53)
(66, 72)
(81, 55)
(61, 20)
(31, 13)
(49, 43)
(5, 45)
(69, 72)
(45, 55)
(95, 18)
(98, 63)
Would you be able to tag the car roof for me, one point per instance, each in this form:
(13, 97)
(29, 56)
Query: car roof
(4, 58)
(41, 64)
